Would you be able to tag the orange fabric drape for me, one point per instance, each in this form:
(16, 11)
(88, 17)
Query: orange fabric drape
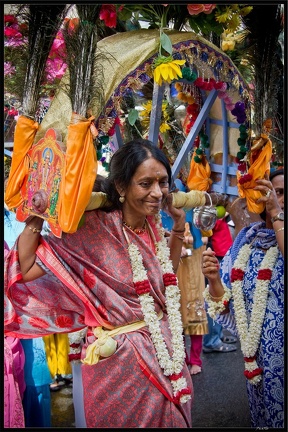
(257, 170)
(199, 175)
(24, 135)
(79, 173)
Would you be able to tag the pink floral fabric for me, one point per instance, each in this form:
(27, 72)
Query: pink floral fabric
(14, 383)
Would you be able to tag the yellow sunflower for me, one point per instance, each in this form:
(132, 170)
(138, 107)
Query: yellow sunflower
(166, 69)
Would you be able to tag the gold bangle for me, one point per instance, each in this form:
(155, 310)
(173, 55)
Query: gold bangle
(34, 230)
(217, 298)
(279, 229)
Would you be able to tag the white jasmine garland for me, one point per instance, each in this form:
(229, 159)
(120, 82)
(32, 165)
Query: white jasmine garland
(215, 308)
(249, 334)
(172, 366)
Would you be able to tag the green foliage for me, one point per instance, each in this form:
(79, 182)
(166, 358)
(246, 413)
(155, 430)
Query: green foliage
(133, 116)
(205, 25)
(166, 43)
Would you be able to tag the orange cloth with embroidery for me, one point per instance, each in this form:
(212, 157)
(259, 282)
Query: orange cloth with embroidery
(199, 175)
(79, 172)
(258, 168)
(24, 135)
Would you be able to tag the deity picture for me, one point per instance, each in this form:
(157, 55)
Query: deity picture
(41, 188)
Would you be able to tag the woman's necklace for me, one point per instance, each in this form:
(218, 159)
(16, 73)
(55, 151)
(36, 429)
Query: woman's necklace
(249, 334)
(136, 230)
(172, 366)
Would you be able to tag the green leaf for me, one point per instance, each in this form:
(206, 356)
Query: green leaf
(124, 15)
(133, 116)
(166, 43)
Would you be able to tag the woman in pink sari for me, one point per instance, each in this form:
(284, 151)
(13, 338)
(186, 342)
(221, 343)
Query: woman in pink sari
(116, 274)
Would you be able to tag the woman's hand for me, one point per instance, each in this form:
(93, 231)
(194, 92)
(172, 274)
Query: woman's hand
(210, 269)
(269, 196)
(177, 214)
(210, 265)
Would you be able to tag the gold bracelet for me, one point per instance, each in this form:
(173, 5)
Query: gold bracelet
(217, 298)
(279, 229)
(34, 230)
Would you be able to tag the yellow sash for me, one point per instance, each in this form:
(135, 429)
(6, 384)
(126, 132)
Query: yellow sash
(105, 345)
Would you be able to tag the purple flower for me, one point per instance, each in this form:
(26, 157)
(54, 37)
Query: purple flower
(239, 112)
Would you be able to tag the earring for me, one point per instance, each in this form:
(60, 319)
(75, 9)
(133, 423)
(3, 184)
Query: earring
(122, 199)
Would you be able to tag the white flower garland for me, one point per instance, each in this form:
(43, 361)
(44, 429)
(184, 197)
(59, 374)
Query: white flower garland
(249, 335)
(216, 308)
(172, 367)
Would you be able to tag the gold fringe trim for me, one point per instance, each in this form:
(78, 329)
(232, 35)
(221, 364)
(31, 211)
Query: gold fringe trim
(200, 328)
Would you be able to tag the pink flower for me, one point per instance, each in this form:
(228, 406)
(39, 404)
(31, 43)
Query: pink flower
(58, 46)
(230, 106)
(196, 9)
(12, 32)
(208, 8)
(221, 95)
(55, 69)
(227, 99)
(108, 15)
(9, 69)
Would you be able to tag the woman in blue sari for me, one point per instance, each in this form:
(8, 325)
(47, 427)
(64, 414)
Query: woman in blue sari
(247, 298)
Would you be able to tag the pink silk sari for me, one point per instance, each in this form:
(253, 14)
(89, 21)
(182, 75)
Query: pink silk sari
(89, 283)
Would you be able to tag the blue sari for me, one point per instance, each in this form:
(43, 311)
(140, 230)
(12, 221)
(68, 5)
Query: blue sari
(266, 399)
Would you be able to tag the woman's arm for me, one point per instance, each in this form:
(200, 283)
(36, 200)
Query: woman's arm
(175, 240)
(27, 245)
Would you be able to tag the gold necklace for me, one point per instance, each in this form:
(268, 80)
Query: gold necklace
(136, 230)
